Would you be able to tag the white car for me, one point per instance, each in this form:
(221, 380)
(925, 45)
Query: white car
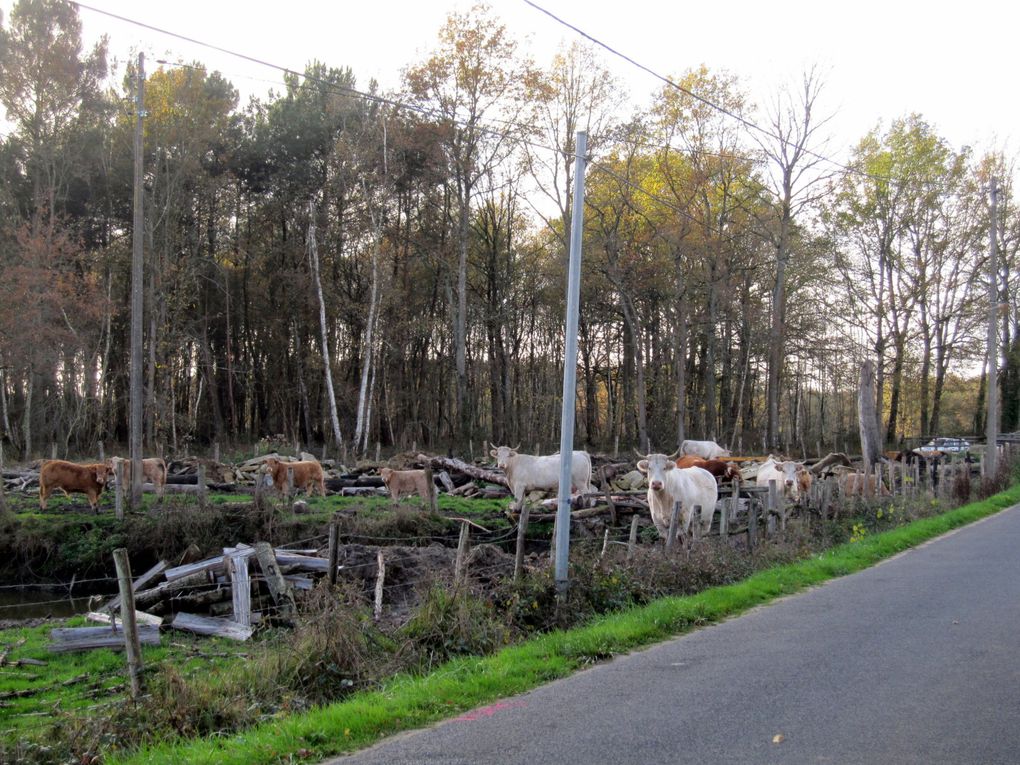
(945, 445)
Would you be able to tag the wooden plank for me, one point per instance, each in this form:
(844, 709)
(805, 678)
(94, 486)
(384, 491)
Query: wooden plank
(207, 625)
(86, 638)
(140, 616)
(240, 588)
(214, 565)
(146, 597)
(138, 584)
(306, 562)
(278, 587)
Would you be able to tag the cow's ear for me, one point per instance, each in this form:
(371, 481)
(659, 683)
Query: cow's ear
(670, 464)
(643, 466)
(492, 452)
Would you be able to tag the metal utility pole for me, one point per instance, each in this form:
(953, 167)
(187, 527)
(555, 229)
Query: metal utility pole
(137, 261)
(992, 397)
(570, 368)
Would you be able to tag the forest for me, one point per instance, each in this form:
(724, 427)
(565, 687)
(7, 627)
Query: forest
(338, 266)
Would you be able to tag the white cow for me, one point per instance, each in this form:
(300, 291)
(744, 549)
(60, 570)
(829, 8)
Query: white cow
(526, 472)
(786, 473)
(668, 483)
(707, 450)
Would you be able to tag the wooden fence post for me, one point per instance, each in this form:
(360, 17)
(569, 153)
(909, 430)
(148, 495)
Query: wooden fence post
(522, 531)
(734, 503)
(216, 452)
(283, 596)
(674, 518)
(240, 588)
(132, 648)
(605, 543)
(752, 523)
(607, 492)
(102, 452)
(431, 501)
(460, 565)
(632, 539)
(380, 579)
(378, 450)
(334, 550)
(118, 489)
(201, 482)
(724, 520)
(770, 507)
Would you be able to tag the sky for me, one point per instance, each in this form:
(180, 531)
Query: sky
(879, 61)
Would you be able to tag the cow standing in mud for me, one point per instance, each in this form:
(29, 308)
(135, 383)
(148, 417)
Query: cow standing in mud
(70, 477)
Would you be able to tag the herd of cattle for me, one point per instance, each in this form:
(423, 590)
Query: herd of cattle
(690, 476)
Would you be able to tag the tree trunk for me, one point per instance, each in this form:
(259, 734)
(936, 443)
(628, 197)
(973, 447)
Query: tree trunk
(313, 257)
(867, 415)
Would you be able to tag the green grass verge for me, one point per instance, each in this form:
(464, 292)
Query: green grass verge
(410, 702)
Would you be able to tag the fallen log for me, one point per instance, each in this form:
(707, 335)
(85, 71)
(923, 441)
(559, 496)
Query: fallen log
(145, 598)
(450, 463)
(140, 582)
(140, 617)
(85, 638)
(207, 625)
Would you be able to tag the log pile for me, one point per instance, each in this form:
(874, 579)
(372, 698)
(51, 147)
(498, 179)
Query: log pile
(230, 594)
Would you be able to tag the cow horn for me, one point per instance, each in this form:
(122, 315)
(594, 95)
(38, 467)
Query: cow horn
(640, 455)
(676, 454)
(517, 448)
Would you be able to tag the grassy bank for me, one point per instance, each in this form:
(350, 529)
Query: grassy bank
(408, 702)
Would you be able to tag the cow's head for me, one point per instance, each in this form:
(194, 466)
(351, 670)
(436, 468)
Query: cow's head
(656, 466)
(791, 470)
(386, 473)
(503, 454)
(733, 472)
(103, 473)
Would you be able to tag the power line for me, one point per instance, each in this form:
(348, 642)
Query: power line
(701, 99)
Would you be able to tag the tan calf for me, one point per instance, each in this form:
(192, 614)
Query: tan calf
(404, 483)
(307, 475)
(153, 471)
(71, 477)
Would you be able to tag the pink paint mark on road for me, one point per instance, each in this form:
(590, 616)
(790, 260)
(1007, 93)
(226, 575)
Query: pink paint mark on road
(489, 711)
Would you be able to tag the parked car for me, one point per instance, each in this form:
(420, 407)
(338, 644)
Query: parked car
(945, 445)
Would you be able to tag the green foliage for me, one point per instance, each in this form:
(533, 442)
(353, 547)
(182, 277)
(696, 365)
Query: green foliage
(452, 621)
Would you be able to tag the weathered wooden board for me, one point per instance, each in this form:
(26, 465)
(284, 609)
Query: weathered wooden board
(138, 584)
(207, 625)
(86, 638)
(140, 617)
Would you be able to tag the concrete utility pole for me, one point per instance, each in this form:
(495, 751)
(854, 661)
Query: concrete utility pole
(570, 368)
(137, 263)
(992, 397)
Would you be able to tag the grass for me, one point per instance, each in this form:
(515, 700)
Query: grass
(407, 702)
(74, 682)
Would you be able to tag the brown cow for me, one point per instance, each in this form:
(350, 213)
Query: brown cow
(71, 477)
(804, 481)
(407, 482)
(153, 471)
(723, 471)
(307, 475)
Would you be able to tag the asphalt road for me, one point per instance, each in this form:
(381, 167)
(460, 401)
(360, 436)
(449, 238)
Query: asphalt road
(913, 661)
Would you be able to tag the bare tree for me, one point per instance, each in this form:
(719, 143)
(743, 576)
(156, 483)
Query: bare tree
(792, 144)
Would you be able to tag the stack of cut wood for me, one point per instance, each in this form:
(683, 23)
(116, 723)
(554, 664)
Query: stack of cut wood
(224, 595)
